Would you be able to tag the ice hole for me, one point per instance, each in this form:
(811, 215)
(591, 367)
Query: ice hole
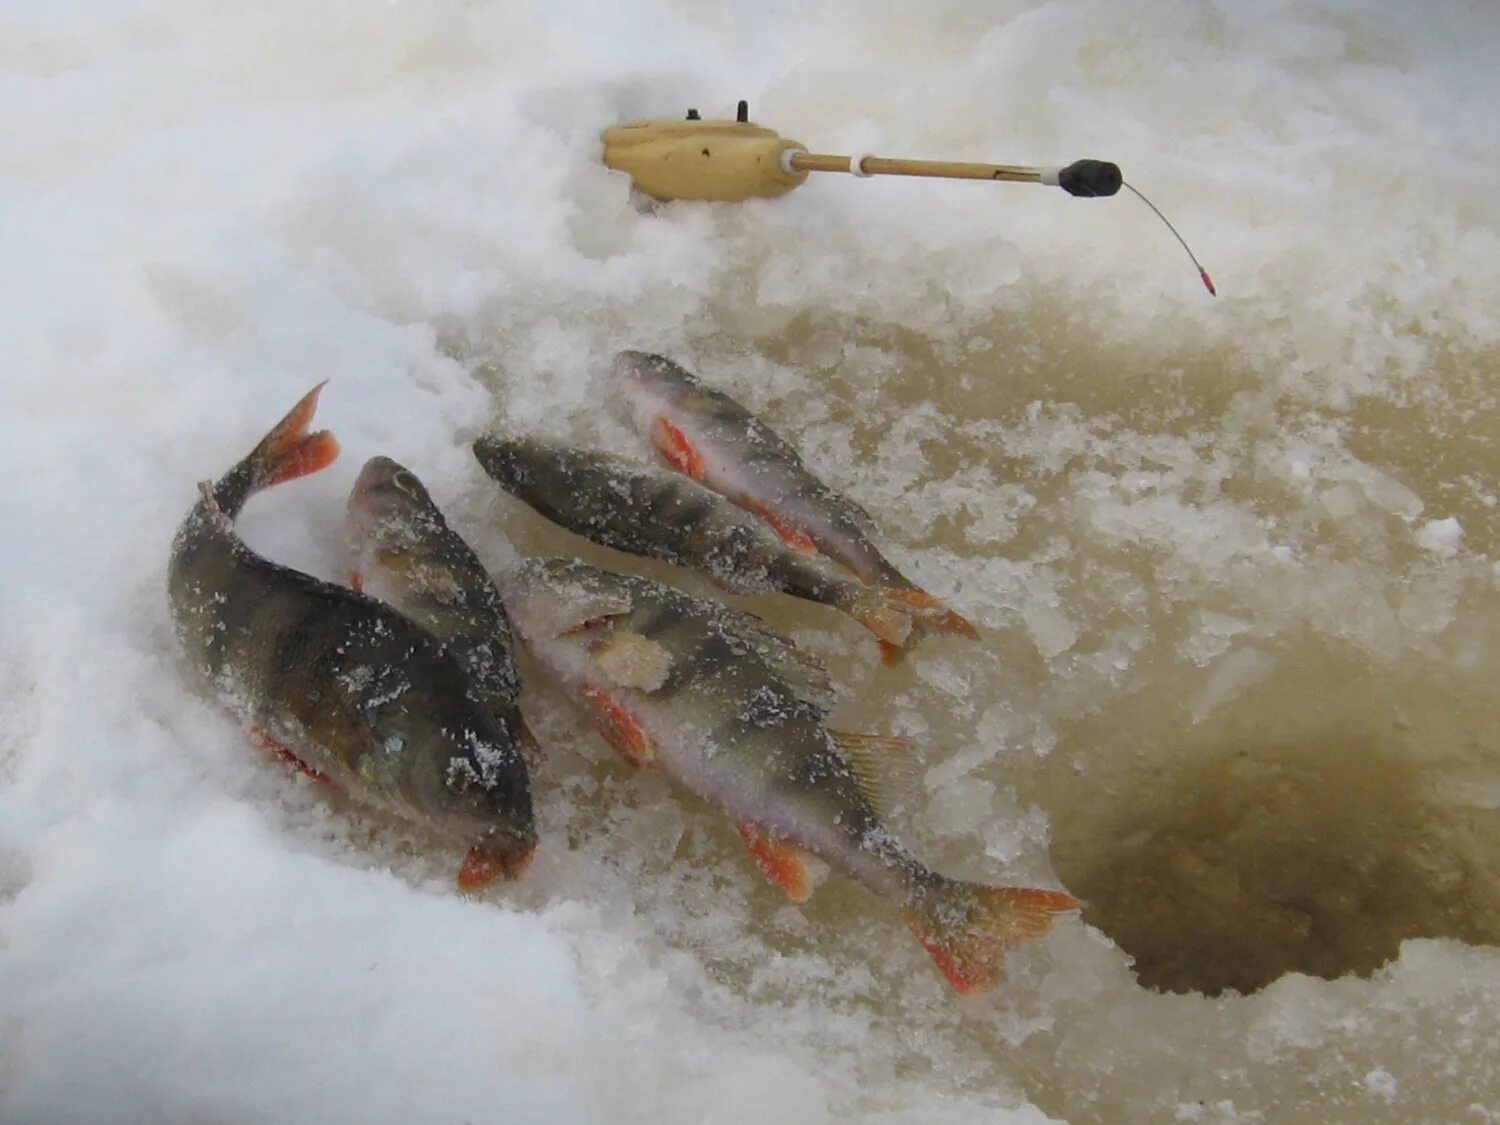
(1225, 870)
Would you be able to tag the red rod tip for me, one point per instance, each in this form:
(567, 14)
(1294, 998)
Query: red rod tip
(1208, 283)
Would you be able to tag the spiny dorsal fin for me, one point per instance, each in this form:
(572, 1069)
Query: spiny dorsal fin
(802, 672)
(883, 767)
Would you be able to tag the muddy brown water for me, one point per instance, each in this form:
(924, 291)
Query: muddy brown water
(1233, 691)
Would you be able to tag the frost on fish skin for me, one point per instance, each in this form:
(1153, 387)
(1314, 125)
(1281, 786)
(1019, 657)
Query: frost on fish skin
(708, 436)
(741, 722)
(409, 555)
(763, 707)
(655, 513)
(336, 681)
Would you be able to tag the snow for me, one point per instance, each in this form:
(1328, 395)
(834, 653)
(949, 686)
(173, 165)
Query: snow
(1234, 560)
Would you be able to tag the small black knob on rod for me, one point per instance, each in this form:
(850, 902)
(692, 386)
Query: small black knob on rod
(1090, 177)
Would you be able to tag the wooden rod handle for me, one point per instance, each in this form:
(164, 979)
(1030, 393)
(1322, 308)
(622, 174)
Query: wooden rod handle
(897, 166)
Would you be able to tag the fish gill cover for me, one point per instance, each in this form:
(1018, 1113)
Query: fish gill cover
(1234, 562)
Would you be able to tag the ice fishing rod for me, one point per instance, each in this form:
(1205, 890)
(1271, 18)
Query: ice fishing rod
(732, 161)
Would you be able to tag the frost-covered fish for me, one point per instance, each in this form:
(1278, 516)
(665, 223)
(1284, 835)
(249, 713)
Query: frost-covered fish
(340, 684)
(735, 713)
(664, 515)
(407, 554)
(705, 434)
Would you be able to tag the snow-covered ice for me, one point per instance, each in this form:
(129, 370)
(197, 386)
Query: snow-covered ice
(1234, 560)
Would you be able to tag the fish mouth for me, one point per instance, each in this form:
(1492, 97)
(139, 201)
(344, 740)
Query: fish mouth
(631, 364)
(639, 372)
(370, 500)
(643, 389)
(377, 472)
(498, 457)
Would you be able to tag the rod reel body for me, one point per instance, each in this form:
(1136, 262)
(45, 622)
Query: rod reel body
(715, 161)
(731, 161)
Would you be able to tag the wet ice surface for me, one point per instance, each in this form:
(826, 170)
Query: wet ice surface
(1234, 561)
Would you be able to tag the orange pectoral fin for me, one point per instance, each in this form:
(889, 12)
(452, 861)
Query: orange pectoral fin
(477, 871)
(356, 581)
(793, 537)
(618, 727)
(674, 445)
(265, 740)
(782, 863)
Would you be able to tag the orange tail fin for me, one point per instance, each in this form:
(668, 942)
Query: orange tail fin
(889, 618)
(967, 927)
(929, 614)
(289, 451)
(900, 616)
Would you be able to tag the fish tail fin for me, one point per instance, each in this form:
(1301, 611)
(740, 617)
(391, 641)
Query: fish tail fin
(289, 451)
(967, 927)
(888, 617)
(929, 614)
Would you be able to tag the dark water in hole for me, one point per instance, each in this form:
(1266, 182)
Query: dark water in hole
(1224, 872)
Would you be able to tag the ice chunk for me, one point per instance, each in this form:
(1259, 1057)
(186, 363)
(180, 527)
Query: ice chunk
(1442, 537)
(1050, 629)
(1231, 676)
(1381, 1083)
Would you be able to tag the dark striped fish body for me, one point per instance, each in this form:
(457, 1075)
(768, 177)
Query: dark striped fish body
(705, 434)
(343, 685)
(736, 714)
(663, 515)
(406, 554)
